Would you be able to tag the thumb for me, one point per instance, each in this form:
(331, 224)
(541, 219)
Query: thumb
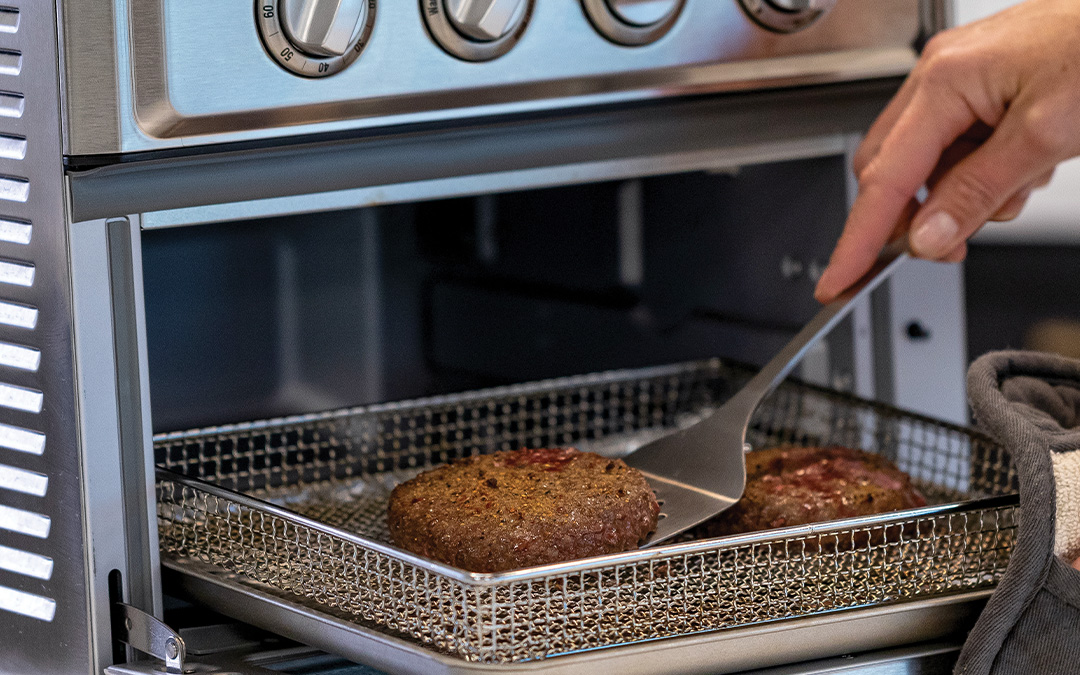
(977, 187)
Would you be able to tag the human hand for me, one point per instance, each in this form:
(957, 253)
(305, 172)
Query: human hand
(982, 120)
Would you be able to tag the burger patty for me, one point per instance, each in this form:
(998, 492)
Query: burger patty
(521, 508)
(791, 485)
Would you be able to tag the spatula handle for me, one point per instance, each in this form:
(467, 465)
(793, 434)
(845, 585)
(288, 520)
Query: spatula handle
(781, 365)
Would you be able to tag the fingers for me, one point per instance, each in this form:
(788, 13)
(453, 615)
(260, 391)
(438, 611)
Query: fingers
(957, 254)
(968, 142)
(829, 287)
(904, 162)
(1012, 208)
(1044, 179)
(881, 127)
(1015, 204)
(994, 180)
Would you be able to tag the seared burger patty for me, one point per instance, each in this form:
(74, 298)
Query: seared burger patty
(522, 508)
(791, 485)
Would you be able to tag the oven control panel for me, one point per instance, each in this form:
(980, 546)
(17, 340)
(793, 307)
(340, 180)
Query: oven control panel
(292, 67)
(318, 38)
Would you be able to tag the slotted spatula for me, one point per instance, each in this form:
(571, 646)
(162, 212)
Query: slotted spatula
(699, 471)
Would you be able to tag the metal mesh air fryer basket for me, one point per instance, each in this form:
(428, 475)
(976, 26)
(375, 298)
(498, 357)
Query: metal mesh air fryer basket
(297, 505)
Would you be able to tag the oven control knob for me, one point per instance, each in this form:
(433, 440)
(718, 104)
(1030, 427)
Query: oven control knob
(643, 12)
(633, 22)
(791, 5)
(484, 20)
(315, 38)
(786, 16)
(476, 30)
(323, 27)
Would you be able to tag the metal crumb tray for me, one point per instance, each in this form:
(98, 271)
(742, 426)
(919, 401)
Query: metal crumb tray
(289, 514)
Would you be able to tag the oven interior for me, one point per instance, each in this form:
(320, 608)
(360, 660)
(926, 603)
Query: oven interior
(263, 318)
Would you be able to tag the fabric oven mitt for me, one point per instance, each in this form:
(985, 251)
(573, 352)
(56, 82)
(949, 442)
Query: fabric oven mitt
(1030, 403)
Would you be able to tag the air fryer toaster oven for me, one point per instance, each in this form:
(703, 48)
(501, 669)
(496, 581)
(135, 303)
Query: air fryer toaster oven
(216, 213)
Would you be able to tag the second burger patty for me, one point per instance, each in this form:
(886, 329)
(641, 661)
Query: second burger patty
(522, 508)
(792, 485)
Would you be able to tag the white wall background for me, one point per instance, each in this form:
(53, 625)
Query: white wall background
(1052, 215)
(969, 10)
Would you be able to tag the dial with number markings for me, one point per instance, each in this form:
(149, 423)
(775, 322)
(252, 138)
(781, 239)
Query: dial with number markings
(315, 38)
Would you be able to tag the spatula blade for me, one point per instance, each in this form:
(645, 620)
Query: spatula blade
(701, 470)
(682, 506)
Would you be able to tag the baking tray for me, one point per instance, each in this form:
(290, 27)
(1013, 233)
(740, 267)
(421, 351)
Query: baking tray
(289, 513)
(734, 650)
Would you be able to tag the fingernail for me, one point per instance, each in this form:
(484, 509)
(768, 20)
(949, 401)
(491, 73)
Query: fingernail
(936, 236)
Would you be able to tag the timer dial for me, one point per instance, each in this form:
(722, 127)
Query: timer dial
(786, 16)
(315, 38)
(476, 30)
(633, 22)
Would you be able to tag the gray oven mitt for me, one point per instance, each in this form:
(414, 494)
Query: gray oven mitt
(1030, 403)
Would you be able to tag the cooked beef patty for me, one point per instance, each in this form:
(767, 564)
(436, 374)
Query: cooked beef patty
(522, 508)
(791, 485)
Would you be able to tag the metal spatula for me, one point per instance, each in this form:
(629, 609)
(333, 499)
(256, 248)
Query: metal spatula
(699, 471)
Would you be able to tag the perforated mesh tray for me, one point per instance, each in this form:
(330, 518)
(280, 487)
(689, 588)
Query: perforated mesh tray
(296, 506)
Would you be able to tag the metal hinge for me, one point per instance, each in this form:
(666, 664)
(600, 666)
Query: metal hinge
(152, 636)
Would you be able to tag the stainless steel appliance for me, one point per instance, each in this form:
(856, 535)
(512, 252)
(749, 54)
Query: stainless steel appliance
(396, 199)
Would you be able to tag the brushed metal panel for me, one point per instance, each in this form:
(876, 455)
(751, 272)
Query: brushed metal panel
(45, 624)
(110, 362)
(166, 82)
(92, 83)
(402, 71)
(648, 139)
